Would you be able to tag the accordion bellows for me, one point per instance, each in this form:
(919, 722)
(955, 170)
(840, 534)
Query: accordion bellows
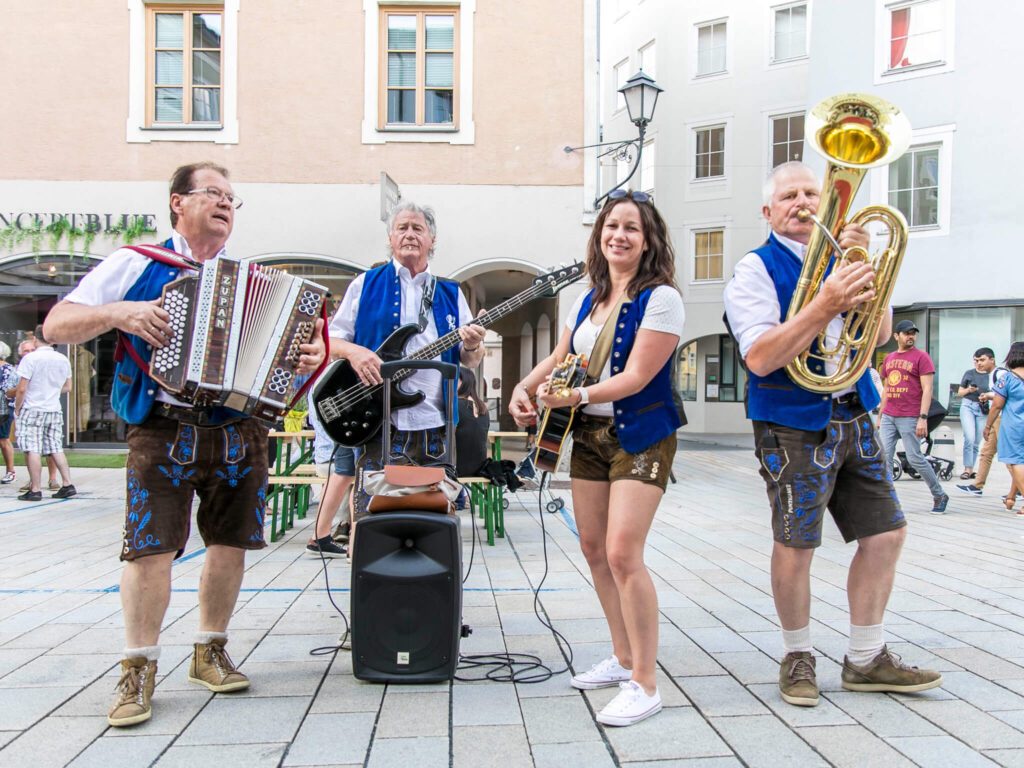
(237, 326)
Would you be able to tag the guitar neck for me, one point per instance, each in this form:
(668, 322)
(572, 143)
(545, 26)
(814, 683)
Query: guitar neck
(450, 340)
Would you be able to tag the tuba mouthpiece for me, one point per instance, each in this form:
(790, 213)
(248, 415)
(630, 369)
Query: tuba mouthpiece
(803, 214)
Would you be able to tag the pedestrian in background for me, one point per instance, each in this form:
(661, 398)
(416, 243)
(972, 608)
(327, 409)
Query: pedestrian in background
(1009, 403)
(8, 379)
(973, 409)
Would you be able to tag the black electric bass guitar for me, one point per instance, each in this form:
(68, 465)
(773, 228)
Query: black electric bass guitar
(352, 412)
(554, 429)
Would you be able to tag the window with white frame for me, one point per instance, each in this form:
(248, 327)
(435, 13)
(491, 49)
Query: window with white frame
(787, 138)
(914, 186)
(711, 48)
(709, 160)
(184, 65)
(646, 182)
(708, 252)
(648, 59)
(182, 71)
(621, 76)
(420, 61)
(916, 35)
(789, 32)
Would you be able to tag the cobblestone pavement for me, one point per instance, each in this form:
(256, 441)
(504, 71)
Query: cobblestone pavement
(958, 606)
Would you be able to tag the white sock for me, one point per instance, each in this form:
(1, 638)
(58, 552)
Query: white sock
(205, 638)
(797, 640)
(865, 643)
(151, 652)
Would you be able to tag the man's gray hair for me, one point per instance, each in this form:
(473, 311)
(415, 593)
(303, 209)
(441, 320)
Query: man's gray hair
(768, 189)
(410, 207)
(5, 352)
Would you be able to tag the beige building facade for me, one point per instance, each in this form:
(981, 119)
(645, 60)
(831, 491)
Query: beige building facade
(466, 104)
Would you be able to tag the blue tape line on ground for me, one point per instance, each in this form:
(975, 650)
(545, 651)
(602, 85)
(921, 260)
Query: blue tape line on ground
(254, 590)
(569, 522)
(189, 556)
(35, 505)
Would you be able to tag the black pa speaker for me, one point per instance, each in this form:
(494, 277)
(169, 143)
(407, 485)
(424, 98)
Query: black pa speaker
(406, 597)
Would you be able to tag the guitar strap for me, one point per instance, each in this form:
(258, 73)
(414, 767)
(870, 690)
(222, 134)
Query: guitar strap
(603, 344)
(427, 303)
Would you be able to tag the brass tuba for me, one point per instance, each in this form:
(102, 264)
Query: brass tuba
(854, 132)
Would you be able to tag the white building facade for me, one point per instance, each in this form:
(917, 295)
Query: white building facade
(739, 76)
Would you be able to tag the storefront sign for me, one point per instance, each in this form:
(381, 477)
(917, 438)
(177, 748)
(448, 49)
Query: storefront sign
(87, 222)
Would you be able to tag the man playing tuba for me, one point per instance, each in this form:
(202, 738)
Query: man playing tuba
(818, 450)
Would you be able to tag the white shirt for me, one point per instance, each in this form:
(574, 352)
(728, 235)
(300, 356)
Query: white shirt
(46, 371)
(429, 413)
(664, 313)
(112, 278)
(752, 303)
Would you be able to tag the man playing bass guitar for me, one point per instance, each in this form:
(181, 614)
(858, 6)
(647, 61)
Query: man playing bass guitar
(380, 301)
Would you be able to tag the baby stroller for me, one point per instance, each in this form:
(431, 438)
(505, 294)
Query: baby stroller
(943, 468)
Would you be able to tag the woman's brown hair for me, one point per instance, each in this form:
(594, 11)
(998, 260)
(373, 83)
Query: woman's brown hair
(657, 265)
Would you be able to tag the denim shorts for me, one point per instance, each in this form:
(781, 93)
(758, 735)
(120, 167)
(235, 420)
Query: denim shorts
(597, 455)
(840, 468)
(5, 425)
(344, 463)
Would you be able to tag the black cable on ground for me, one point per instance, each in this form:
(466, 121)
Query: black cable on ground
(521, 667)
(326, 650)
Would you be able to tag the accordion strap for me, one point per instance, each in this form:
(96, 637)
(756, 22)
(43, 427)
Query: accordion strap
(164, 256)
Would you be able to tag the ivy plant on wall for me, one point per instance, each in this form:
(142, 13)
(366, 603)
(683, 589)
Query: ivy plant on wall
(60, 231)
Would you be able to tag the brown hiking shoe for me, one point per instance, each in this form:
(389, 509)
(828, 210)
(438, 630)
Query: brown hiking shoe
(212, 667)
(134, 692)
(886, 672)
(798, 682)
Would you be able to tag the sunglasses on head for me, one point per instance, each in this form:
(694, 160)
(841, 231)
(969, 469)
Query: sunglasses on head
(622, 194)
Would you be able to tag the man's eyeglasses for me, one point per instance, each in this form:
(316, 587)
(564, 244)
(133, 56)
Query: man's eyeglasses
(636, 197)
(217, 195)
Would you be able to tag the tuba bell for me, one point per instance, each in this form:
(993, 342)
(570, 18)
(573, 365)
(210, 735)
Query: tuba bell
(854, 132)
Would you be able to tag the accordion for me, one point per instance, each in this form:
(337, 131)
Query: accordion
(237, 327)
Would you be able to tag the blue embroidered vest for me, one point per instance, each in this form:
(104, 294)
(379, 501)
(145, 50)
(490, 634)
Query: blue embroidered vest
(775, 397)
(650, 415)
(133, 392)
(380, 311)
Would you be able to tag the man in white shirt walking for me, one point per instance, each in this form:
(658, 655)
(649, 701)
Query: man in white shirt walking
(43, 377)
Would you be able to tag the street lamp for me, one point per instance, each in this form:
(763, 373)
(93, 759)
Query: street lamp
(641, 95)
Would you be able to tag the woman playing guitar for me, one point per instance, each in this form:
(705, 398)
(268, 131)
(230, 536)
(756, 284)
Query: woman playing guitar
(625, 433)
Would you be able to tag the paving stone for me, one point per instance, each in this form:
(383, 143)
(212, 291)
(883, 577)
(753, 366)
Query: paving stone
(122, 752)
(60, 670)
(720, 695)
(672, 733)
(697, 762)
(939, 752)
(284, 678)
(593, 754)
(883, 715)
(559, 719)
(749, 666)
(343, 693)
(982, 663)
(334, 739)
(413, 714)
(485, 704)
(476, 746)
(224, 756)
(52, 742)
(980, 692)
(763, 741)
(718, 639)
(423, 752)
(1010, 758)
(853, 746)
(273, 719)
(974, 727)
(21, 707)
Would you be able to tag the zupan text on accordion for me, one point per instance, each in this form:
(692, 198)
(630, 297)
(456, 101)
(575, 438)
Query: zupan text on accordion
(236, 331)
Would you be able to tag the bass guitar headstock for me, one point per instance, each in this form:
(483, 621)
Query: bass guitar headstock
(557, 279)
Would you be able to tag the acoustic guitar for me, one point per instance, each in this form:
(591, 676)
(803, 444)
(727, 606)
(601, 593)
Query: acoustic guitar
(554, 429)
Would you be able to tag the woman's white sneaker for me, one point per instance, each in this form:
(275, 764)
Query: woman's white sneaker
(604, 674)
(631, 705)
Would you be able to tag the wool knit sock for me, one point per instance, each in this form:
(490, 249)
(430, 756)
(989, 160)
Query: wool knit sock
(794, 640)
(866, 642)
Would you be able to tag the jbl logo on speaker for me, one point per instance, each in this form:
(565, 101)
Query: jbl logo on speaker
(403, 657)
